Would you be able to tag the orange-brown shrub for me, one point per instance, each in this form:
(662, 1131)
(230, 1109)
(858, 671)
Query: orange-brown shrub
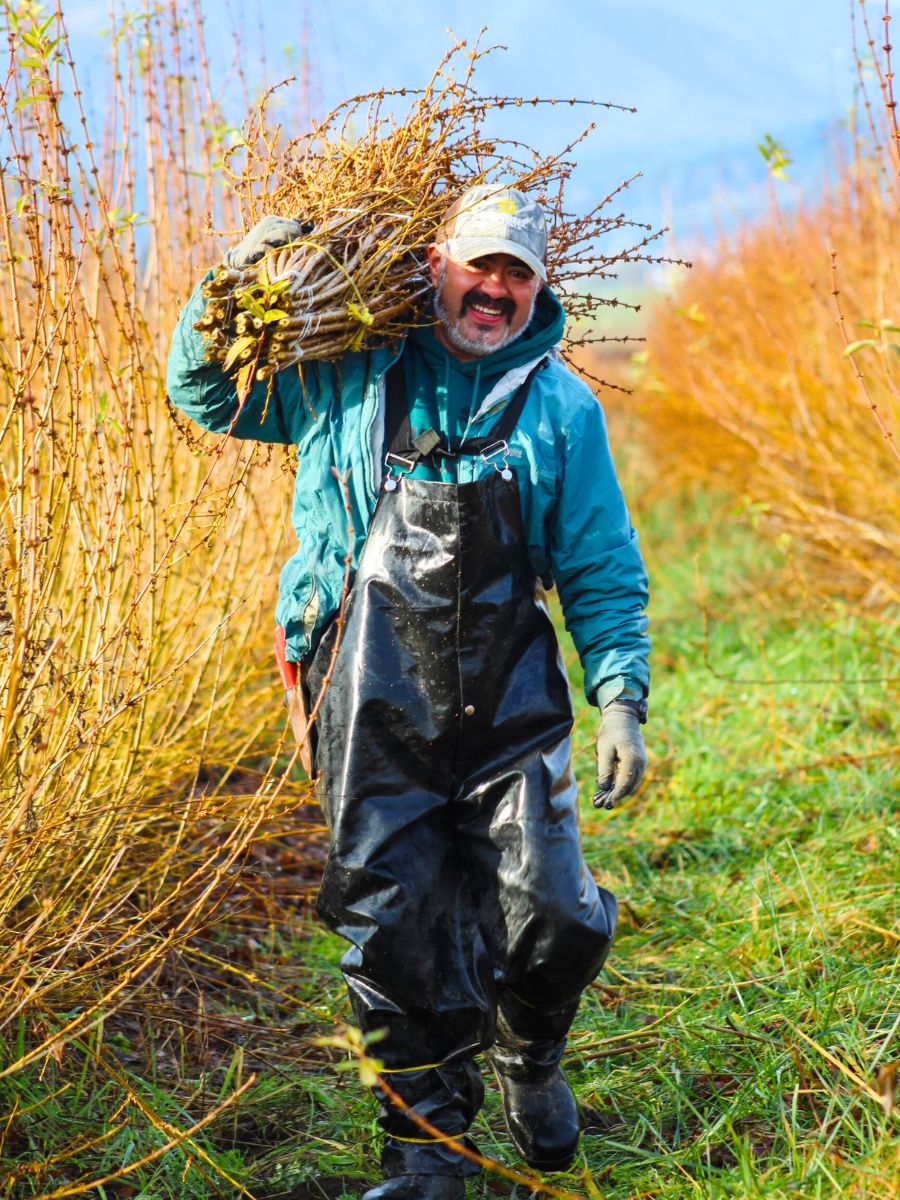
(749, 382)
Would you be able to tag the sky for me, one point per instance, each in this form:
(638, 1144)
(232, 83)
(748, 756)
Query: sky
(709, 79)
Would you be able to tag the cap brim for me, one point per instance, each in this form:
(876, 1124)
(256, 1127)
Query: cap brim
(465, 249)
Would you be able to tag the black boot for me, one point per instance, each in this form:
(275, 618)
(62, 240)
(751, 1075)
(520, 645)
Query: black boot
(418, 1187)
(416, 1168)
(540, 1110)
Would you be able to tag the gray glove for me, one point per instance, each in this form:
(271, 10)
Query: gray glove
(621, 757)
(265, 235)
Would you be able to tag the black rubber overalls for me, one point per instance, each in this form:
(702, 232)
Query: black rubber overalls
(444, 771)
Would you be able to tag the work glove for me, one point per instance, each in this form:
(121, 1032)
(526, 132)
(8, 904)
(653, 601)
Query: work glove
(621, 757)
(265, 235)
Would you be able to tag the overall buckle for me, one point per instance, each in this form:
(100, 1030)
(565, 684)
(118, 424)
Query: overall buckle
(497, 450)
(406, 464)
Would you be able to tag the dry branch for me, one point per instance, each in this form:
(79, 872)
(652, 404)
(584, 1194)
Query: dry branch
(373, 200)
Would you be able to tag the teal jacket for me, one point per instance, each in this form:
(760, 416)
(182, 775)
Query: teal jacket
(577, 527)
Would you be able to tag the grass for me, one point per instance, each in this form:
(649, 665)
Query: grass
(757, 870)
(740, 1040)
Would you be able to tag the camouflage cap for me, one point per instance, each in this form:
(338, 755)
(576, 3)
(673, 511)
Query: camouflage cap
(488, 219)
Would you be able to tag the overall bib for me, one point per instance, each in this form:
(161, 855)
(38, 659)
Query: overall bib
(443, 761)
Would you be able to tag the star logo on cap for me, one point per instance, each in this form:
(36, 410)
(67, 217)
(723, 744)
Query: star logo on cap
(507, 205)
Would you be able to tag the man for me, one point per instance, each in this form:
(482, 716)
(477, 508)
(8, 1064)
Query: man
(476, 465)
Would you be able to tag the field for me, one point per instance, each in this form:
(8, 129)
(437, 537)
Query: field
(740, 1042)
(171, 1013)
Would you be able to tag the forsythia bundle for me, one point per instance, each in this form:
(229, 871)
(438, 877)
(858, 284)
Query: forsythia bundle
(371, 202)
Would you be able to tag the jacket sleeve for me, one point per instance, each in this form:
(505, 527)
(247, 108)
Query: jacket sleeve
(201, 389)
(597, 565)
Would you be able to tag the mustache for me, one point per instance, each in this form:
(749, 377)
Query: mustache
(476, 296)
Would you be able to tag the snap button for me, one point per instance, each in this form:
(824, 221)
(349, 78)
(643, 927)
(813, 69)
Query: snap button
(469, 710)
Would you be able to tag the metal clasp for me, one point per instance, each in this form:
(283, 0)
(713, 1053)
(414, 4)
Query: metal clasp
(498, 450)
(391, 480)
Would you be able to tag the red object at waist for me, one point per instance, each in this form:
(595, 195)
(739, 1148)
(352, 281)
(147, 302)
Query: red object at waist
(287, 670)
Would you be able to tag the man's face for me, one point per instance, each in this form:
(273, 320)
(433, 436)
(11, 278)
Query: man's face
(483, 304)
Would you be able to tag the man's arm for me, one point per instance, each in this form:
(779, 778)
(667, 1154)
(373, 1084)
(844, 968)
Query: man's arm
(274, 409)
(602, 585)
(597, 566)
(200, 388)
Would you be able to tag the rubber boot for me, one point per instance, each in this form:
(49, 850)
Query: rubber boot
(418, 1187)
(416, 1165)
(540, 1110)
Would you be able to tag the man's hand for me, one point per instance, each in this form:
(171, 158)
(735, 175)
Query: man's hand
(265, 235)
(621, 757)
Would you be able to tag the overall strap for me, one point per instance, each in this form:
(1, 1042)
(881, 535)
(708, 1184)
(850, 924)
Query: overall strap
(408, 451)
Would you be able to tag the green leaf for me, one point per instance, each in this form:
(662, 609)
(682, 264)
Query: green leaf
(244, 380)
(239, 346)
(359, 312)
(367, 1077)
(32, 40)
(775, 155)
(854, 346)
(694, 313)
(250, 305)
(23, 100)
(274, 314)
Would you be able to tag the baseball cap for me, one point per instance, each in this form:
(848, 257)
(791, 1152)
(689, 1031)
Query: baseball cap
(488, 219)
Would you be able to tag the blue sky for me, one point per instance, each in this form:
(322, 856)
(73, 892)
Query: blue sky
(709, 78)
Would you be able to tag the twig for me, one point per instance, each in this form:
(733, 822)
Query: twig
(839, 316)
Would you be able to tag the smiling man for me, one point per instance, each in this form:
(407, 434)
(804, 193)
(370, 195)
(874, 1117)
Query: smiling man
(485, 295)
(493, 299)
(477, 467)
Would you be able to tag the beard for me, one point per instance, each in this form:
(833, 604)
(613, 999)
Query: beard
(482, 344)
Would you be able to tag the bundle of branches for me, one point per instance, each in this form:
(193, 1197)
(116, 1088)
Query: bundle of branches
(372, 189)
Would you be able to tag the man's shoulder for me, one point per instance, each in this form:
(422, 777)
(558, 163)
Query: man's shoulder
(570, 395)
(367, 366)
(344, 380)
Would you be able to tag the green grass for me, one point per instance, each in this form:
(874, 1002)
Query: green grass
(749, 1007)
(756, 868)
